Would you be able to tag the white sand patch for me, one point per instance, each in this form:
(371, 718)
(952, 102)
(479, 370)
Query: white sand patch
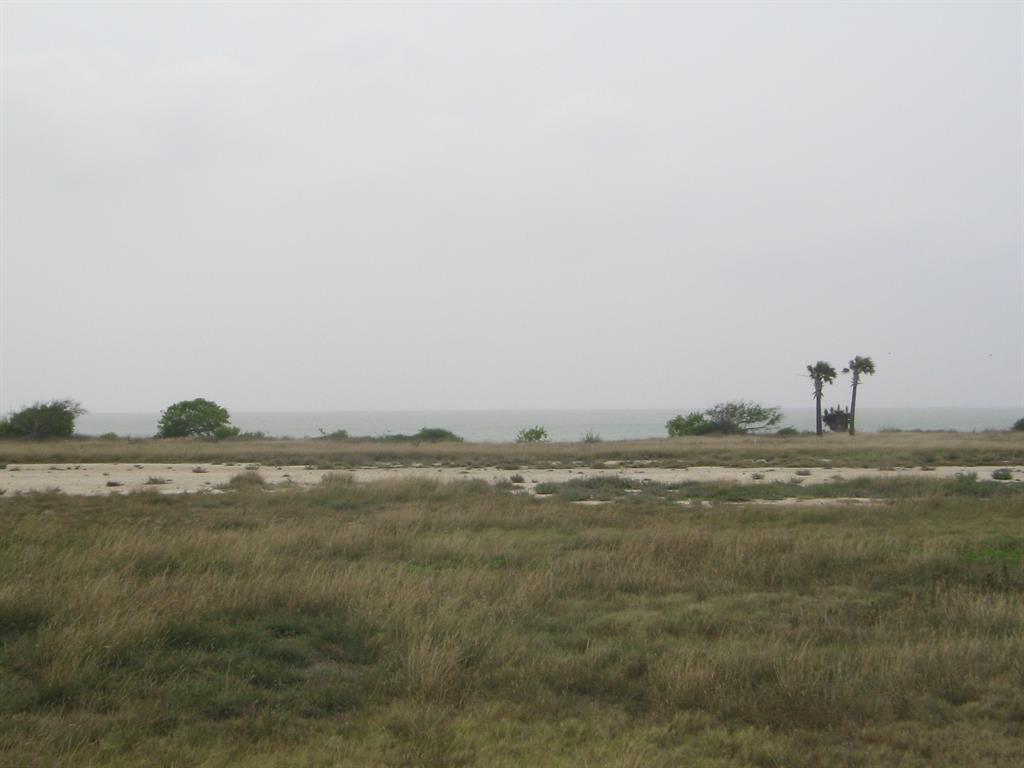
(101, 479)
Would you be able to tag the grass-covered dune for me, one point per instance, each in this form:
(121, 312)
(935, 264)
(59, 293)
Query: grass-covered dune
(867, 450)
(417, 623)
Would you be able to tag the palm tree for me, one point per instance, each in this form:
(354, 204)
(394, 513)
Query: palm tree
(859, 366)
(821, 373)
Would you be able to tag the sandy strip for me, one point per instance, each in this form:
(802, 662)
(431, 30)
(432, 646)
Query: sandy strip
(102, 479)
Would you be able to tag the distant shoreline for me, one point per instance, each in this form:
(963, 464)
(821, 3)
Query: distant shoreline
(562, 425)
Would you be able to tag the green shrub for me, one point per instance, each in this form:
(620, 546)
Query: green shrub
(53, 419)
(1018, 425)
(225, 431)
(436, 435)
(1003, 473)
(787, 432)
(591, 437)
(425, 435)
(194, 418)
(741, 416)
(682, 426)
(532, 435)
(108, 436)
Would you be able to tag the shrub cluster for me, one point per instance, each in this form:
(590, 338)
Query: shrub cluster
(532, 435)
(730, 418)
(53, 419)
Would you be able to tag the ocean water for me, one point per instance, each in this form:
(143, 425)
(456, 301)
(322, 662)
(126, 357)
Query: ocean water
(562, 425)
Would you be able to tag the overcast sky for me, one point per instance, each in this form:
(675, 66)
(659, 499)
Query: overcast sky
(325, 206)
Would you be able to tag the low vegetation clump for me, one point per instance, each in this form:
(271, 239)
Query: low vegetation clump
(1018, 425)
(42, 420)
(417, 623)
(532, 435)
(250, 479)
(424, 435)
(337, 434)
(430, 435)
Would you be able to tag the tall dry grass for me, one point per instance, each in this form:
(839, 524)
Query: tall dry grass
(415, 623)
(869, 450)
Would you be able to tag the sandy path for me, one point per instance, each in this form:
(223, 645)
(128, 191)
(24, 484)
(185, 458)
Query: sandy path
(101, 479)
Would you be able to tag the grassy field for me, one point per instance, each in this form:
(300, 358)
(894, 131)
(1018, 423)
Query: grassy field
(416, 623)
(868, 450)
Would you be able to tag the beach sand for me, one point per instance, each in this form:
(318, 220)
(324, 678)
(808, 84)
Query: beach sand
(102, 479)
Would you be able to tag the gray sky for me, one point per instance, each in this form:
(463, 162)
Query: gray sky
(321, 206)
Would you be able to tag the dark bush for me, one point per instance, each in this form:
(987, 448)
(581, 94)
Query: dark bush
(436, 435)
(53, 419)
(693, 424)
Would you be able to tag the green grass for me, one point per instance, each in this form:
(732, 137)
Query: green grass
(416, 623)
(630, 490)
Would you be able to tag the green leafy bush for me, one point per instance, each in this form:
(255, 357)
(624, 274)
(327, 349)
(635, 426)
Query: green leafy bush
(53, 419)
(1018, 425)
(195, 418)
(532, 435)
(737, 417)
(692, 424)
(591, 437)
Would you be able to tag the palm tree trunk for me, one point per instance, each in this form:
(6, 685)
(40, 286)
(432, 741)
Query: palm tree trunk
(853, 405)
(817, 407)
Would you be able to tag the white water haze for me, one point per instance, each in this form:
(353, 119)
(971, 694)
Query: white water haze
(339, 207)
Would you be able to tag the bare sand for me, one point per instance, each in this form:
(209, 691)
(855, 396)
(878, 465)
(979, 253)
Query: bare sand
(102, 479)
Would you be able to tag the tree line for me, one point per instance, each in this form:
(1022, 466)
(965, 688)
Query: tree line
(742, 417)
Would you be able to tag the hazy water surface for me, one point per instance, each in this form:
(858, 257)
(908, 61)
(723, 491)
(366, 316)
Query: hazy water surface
(562, 425)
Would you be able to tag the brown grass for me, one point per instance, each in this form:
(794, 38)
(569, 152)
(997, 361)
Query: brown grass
(415, 623)
(868, 450)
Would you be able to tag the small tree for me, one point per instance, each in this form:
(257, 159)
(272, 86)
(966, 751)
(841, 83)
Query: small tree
(1018, 425)
(821, 373)
(859, 366)
(741, 417)
(53, 419)
(193, 418)
(732, 418)
(532, 435)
